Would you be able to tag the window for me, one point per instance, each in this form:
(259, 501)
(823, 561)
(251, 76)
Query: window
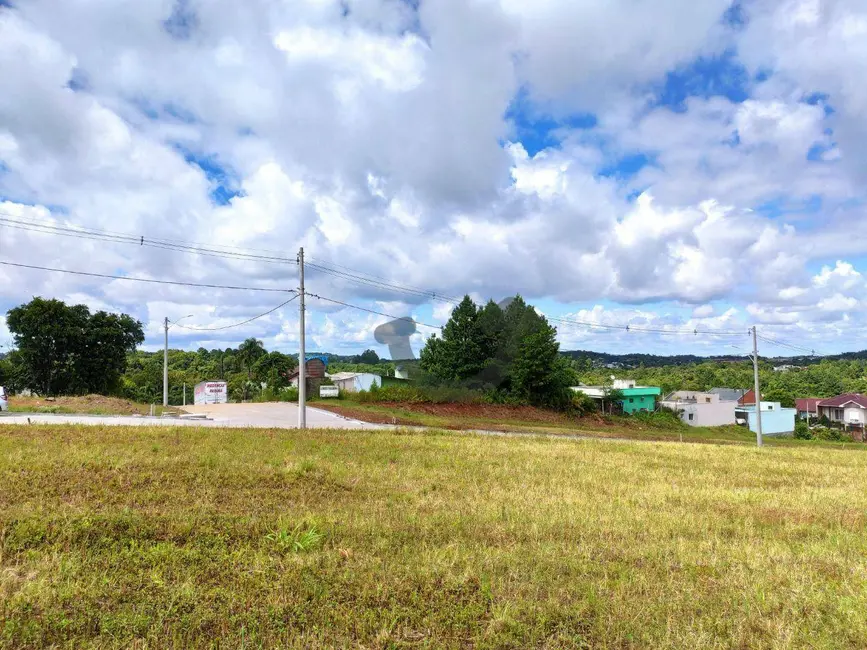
(642, 399)
(707, 400)
(631, 400)
(771, 407)
(691, 417)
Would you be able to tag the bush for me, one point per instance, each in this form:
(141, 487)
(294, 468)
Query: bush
(410, 394)
(583, 404)
(829, 434)
(802, 431)
(665, 418)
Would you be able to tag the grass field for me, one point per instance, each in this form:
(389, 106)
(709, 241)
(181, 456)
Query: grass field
(526, 419)
(115, 537)
(83, 405)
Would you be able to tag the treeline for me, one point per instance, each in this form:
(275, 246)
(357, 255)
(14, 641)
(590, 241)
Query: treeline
(250, 370)
(825, 378)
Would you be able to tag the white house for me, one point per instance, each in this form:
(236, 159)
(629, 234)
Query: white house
(353, 382)
(850, 409)
(701, 409)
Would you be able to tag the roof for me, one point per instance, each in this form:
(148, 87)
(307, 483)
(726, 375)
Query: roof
(729, 394)
(807, 404)
(841, 400)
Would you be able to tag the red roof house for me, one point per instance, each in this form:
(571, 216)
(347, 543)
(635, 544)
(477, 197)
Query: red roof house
(808, 405)
(748, 398)
(850, 408)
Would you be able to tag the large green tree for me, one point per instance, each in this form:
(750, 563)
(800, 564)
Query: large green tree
(462, 352)
(66, 349)
(249, 352)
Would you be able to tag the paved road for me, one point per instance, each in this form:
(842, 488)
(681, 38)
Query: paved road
(262, 416)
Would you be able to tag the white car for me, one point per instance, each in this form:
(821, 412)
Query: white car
(4, 405)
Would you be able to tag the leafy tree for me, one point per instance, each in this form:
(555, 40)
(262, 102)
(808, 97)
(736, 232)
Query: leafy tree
(64, 348)
(369, 357)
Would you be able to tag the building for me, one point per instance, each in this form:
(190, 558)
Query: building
(314, 370)
(732, 394)
(808, 408)
(211, 392)
(353, 382)
(701, 409)
(636, 399)
(849, 409)
(776, 420)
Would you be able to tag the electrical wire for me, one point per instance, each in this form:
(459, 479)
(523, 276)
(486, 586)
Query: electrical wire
(372, 311)
(79, 232)
(144, 280)
(226, 327)
(783, 344)
(381, 283)
(648, 330)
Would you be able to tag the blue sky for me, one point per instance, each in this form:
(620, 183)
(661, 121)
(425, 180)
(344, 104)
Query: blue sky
(669, 164)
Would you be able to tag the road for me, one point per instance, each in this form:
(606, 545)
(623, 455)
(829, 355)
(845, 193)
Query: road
(260, 416)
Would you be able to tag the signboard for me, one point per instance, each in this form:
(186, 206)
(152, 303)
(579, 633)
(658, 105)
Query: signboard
(329, 391)
(211, 392)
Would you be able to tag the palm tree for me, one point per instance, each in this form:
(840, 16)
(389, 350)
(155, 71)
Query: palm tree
(249, 352)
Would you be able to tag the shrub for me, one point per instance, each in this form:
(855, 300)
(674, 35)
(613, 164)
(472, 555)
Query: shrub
(583, 404)
(802, 431)
(665, 418)
(411, 394)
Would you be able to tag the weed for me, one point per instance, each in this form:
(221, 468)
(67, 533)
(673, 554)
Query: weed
(300, 539)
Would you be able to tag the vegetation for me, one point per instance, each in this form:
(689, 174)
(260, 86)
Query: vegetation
(114, 537)
(62, 349)
(823, 379)
(511, 353)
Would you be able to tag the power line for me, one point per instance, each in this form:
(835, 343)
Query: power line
(648, 330)
(372, 311)
(378, 282)
(80, 232)
(790, 346)
(144, 280)
(226, 327)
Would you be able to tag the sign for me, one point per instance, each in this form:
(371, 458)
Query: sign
(211, 392)
(329, 391)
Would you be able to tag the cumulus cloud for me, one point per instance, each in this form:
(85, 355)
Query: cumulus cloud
(388, 139)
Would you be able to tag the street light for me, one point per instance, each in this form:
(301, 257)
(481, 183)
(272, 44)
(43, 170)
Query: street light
(168, 324)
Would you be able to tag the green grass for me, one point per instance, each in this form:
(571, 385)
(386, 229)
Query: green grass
(159, 537)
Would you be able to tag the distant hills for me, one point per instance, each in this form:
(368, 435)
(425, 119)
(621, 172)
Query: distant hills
(634, 360)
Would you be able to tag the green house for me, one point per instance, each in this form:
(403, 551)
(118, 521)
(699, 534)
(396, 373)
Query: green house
(640, 398)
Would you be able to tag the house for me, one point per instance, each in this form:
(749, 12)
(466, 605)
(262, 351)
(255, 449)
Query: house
(786, 368)
(808, 408)
(701, 409)
(353, 382)
(314, 370)
(849, 409)
(731, 394)
(636, 399)
(776, 420)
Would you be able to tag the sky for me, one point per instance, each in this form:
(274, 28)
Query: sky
(669, 165)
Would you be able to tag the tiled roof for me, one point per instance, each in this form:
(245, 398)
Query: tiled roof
(840, 400)
(807, 404)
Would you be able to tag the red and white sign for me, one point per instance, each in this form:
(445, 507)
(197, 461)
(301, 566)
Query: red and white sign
(211, 392)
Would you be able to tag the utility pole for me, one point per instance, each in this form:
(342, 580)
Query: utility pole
(166, 366)
(756, 387)
(302, 366)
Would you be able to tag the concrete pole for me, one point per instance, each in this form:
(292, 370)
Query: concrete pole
(166, 366)
(185, 393)
(302, 366)
(756, 387)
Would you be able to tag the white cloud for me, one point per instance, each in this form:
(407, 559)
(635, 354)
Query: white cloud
(377, 137)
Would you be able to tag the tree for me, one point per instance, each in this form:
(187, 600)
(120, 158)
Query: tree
(369, 357)
(249, 352)
(64, 349)
(461, 353)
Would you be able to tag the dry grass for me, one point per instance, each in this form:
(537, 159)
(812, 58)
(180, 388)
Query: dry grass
(114, 537)
(84, 405)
